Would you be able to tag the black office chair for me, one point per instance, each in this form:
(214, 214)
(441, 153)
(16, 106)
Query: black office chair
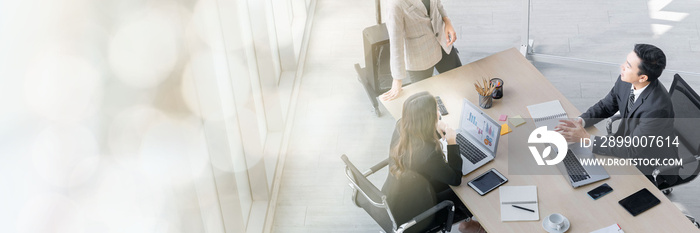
(375, 203)
(376, 77)
(686, 107)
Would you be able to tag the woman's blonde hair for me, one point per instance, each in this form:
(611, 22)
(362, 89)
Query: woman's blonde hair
(418, 126)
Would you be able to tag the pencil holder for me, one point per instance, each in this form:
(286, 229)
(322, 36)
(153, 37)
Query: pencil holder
(498, 90)
(485, 102)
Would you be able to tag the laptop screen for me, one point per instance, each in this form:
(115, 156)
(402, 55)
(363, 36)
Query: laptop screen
(480, 126)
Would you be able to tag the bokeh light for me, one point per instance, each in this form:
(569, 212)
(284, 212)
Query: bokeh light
(203, 95)
(50, 213)
(62, 87)
(65, 156)
(172, 152)
(109, 148)
(166, 227)
(127, 130)
(205, 22)
(121, 201)
(146, 47)
(204, 28)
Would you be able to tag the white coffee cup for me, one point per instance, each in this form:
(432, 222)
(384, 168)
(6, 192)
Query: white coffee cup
(555, 221)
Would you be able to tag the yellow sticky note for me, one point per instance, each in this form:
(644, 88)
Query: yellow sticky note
(516, 121)
(505, 129)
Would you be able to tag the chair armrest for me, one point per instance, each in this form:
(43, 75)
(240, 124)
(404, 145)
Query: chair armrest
(685, 161)
(422, 216)
(612, 119)
(361, 75)
(376, 167)
(360, 71)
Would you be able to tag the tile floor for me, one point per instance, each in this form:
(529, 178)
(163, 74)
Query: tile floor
(334, 117)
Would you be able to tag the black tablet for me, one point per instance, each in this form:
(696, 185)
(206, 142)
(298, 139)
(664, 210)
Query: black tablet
(487, 181)
(639, 202)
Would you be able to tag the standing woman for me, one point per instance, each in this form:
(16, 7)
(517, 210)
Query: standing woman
(415, 146)
(420, 40)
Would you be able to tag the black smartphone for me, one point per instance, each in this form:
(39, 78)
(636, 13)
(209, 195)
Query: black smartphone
(600, 191)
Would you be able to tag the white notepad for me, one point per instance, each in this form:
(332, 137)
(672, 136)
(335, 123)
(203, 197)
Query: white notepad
(523, 196)
(547, 114)
(615, 228)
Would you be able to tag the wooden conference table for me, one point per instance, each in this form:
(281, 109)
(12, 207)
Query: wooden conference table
(525, 85)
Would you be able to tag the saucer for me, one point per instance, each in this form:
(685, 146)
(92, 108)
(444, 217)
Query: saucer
(563, 229)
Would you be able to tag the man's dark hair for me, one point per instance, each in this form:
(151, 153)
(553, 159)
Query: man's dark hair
(653, 60)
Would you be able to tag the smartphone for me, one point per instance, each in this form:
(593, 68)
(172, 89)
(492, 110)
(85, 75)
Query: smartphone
(600, 191)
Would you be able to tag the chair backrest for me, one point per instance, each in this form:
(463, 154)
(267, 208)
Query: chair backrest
(399, 201)
(369, 197)
(686, 107)
(408, 196)
(383, 68)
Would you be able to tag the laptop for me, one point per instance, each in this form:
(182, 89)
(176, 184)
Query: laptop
(579, 174)
(548, 114)
(477, 137)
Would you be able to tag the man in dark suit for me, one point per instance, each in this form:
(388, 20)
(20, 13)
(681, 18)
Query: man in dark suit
(645, 107)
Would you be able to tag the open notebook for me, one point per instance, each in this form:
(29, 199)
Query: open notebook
(547, 114)
(522, 196)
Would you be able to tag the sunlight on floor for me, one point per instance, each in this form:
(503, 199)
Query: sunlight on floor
(656, 12)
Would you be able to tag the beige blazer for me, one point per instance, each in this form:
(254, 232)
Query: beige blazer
(415, 38)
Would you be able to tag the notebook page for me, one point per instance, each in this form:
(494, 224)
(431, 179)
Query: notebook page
(523, 196)
(547, 114)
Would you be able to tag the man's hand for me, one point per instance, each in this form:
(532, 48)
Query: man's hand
(394, 92)
(450, 34)
(572, 131)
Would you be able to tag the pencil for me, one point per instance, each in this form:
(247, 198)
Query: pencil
(523, 208)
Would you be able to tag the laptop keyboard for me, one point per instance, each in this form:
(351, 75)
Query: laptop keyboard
(574, 167)
(469, 150)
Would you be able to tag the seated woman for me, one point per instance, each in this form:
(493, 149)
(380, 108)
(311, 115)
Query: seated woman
(415, 147)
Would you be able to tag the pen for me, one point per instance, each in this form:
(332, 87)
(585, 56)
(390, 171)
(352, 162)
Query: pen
(522, 208)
